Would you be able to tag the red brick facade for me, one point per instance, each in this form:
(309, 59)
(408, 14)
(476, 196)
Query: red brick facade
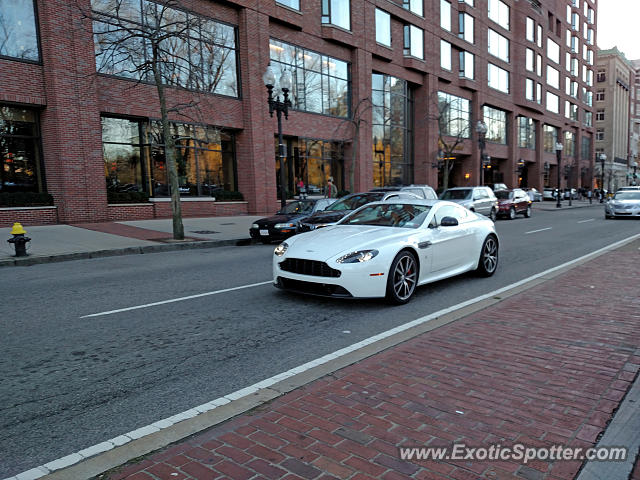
(71, 97)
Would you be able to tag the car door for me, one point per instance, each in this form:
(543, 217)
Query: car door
(521, 200)
(450, 246)
(481, 201)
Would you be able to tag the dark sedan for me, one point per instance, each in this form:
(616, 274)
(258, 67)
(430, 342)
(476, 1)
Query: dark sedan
(284, 223)
(341, 208)
(513, 202)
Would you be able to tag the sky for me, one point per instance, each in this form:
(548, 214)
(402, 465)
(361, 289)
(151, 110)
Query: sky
(618, 26)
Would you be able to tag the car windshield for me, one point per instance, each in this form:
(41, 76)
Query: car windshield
(297, 207)
(627, 195)
(503, 194)
(463, 194)
(354, 201)
(389, 215)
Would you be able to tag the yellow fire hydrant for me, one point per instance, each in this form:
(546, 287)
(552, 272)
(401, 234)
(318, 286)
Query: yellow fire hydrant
(19, 240)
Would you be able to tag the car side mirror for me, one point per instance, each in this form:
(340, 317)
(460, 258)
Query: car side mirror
(448, 222)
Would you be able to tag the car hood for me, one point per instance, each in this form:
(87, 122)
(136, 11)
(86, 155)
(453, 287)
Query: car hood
(329, 216)
(325, 243)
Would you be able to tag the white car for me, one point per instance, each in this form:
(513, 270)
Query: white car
(387, 249)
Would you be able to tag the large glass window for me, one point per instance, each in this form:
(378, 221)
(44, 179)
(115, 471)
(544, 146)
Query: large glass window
(20, 167)
(498, 45)
(202, 57)
(445, 55)
(413, 41)
(320, 83)
(295, 4)
(18, 32)
(496, 121)
(529, 89)
(391, 131)
(454, 115)
(498, 78)
(467, 65)
(585, 152)
(553, 77)
(569, 144)
(337, 12)
(553, 51)
(531, 30)
(526, 132)
(135, 160)
(414, 6)
(383, 27)
(314, 161)
(465, 27)
(499, 13)
(550, 137)
(553, 102)
(445, 15)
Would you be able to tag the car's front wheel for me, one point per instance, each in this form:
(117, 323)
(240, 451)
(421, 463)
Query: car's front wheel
(493, 215)
(512, 213)
(403, 278)
(488, 262)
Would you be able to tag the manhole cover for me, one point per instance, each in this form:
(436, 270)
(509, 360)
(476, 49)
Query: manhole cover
(204, 232)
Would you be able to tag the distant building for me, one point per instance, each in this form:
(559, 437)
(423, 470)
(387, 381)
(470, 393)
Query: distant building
(634, 136)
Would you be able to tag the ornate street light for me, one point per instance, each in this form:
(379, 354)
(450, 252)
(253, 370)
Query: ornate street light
(280, 107)
(602, 158)
(559, 157)
(481, 129)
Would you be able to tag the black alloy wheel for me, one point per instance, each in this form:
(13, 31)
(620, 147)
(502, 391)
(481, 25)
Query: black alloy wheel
(488, 262)
(403, 278)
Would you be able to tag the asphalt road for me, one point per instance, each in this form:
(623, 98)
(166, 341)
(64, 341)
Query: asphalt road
(68, 382)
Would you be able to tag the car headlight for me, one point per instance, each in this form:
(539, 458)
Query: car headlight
(358, 257)
(255, 225)
(281, 249)
(285, 225)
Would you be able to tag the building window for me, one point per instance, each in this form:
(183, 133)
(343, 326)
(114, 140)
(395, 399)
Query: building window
(574, 67)
(314, 161)
(467, 65)
(445, 15)
(337, 12)
(529, 89)
(413, 41)
(21, 167)
(539, 93)
(468, 2)
(498, 78)
(569, 144)
(553, 103)
(553, 51)
(414, 6)
(465, 27)
(295, 4)
(601, 76)
(18, 31)
(454, 115)
(526, 133)
(587, 96)
(586, 148)
(496, 121)
(539, 37)
(392, 134)
(575, 22)
(320, 83)
(588, 119)
(498, 45)
(203, 59)
(600, 116)
(445, 55)
(539, 65)
(553, 77)
(383, 27)
(550, 137)
(600, 96)
(499, 13)
(531, 30)
(600, 135)
(122, 153)
(530, 63)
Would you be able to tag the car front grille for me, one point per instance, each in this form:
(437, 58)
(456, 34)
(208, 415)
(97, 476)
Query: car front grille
(312, 288)
(309, 267)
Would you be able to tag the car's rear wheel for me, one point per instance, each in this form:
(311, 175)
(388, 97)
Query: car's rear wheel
(488, 262)
(527, 212)
(403, 278)
(512, 213)
(493, 215)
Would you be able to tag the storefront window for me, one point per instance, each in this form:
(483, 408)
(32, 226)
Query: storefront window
(21, 169)
(18, 32)
(391, 131)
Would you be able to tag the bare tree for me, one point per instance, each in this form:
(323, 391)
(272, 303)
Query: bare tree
(163, 44)
(452, 117)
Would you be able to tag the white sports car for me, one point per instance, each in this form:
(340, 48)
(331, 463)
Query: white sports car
(388, 249)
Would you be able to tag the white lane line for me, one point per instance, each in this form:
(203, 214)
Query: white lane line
(585, 221)
(536, 231)
(42, 470)
(163, 302)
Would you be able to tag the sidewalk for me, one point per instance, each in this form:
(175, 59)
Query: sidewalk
(63, 242)
(547, 366)
(548, 205)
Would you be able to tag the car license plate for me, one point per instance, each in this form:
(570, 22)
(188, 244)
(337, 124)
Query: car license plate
(264, 232)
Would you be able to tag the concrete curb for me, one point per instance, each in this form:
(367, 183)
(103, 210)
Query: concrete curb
(114, 252)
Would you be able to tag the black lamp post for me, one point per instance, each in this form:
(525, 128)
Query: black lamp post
(567, 171)
(559, 157)
(481, 129)
(603, 158)
(635, 176)
(280, 107)
(520, 171)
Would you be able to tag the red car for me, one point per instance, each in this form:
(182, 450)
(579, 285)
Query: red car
(513, 202)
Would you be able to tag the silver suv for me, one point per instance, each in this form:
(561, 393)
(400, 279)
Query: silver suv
(477, 199)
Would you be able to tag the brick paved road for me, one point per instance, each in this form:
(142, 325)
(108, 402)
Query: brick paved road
(545, 367)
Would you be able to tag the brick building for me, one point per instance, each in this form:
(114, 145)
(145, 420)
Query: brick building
(388, 83)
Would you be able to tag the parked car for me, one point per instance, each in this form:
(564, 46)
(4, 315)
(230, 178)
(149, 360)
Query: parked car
(477, 199)
(422, 191)
(387, 249)
(631, 188)
(573, 193)
(344, 206)
(625, 203)
(534, 194)
(513, 202)
(285, 222)
(498, 186)
(549, 194)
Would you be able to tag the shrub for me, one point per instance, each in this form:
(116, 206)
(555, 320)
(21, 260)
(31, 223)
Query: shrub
(25, 199)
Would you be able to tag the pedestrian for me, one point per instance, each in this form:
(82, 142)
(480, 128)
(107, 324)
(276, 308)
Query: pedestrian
(302, 190)
(331, 190)
(589, 196)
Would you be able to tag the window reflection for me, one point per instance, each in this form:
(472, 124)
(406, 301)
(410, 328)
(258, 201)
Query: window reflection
(18, 34)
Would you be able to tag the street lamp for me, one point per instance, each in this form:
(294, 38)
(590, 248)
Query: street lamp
(481, 129)
(567, 172)
(559, 157)
(280, 107)
(635, 176)
(603, 158)
(519, 171)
